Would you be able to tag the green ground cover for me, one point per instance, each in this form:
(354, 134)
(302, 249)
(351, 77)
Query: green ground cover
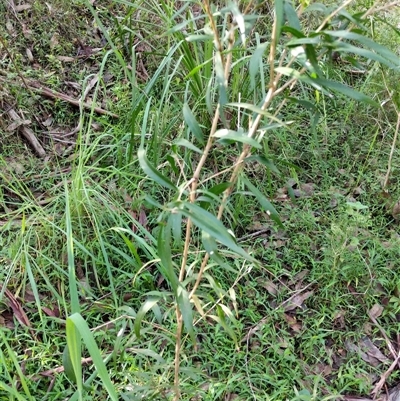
(196, 229)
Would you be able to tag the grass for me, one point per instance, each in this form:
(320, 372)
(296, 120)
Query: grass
(92, 237)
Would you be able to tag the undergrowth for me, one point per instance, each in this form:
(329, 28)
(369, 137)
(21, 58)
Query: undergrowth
(233, 234)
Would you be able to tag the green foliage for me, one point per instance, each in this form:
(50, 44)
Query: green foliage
(156, 211)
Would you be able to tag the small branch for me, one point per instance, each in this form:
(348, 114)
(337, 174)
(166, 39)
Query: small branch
(396, 133)
(27, 133)
(384, 377)
(47, 92)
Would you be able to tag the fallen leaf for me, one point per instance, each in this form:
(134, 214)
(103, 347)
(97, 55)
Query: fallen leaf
(271, 288)
(297, 301)
(338, 319)
(22, 7)
(376, 311)
(369, 347)
(298, 278)
(54, 41)
(396, 210)
(29, 55)
(293, 323)
(16, 124)
(394, 394)
(307, 189)
(143, 218)
(368, 352)
(66, 58)
(48, 122)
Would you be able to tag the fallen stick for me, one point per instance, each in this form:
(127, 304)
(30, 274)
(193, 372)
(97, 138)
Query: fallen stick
(28, 134)
(47, 92)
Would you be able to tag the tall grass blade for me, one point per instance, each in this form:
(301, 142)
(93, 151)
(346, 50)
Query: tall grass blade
(75, 324)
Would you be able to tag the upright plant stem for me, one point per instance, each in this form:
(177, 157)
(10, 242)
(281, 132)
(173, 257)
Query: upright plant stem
(195, 180)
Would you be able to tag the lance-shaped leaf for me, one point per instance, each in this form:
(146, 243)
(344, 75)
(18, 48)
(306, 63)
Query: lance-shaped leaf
(236, 136)
(192, 123)
(152, 172)
(209, 223)
(75, 324)
(264, 202)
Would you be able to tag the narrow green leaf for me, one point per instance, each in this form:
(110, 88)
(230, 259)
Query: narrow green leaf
(294, 32)
(212, 249)
(17, 368)
(264, 161)
(72, 355)
(131, 247)
(322, 8)
(219, 188)
(209, 223)
(220, 79)
(67, 364)
(175, 220)
(304, 41)
(264, 202)
(191, 122)
(199, 38)
(146, 306)
(152, 172)
(172, 163)
(255, 60)
(188, 144)
(345, 90)
(305, 103)
(222, 321)
(12, 392)
(291, 15)
(73, 291)
(255, 109)
(235, 136)
(79, 324)
(312, 58)
(368, 54)
(379, 49)
(320, 83)
(187, 313)
(279, 18)
(239, 19)
(164, 252)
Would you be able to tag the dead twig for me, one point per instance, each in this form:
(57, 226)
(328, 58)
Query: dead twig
(384, 377)
(27, 133)
(47, 92)
(58, 369)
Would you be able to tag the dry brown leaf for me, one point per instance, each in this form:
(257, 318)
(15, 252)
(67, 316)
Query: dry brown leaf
(66, 59)
(55, 312)
(396, 210)
(16, 124)
(92, 83)
(298, 278)
(269, 286)
(16, 308)
(48, 122)
(368, 352)
(54, 41)
(22, 7)
(297, 301)
(293, 323)
(143, 218)
(376, 311)
(29, 55)
(338, 319)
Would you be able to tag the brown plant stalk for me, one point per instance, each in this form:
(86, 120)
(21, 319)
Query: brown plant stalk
(192, 195)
